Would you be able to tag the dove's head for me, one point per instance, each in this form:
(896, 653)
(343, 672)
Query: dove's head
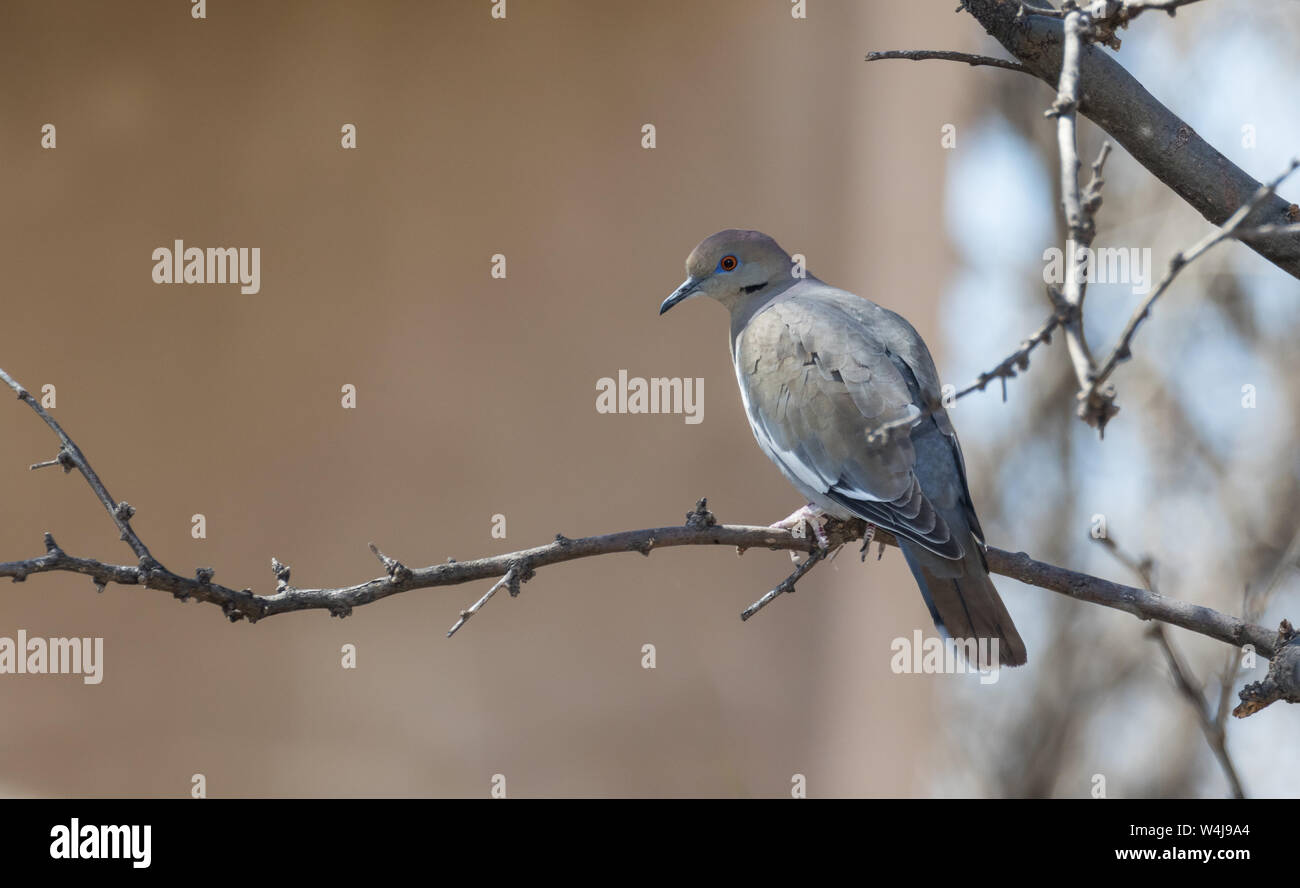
(734, 267)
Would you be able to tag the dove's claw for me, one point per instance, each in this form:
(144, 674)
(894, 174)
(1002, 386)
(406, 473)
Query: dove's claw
(867, 536)
(813, 517)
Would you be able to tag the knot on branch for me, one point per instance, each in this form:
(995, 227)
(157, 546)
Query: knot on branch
(62, 458)
(1063, 105)
(845, 530)
(397, 571)
(148, 566)
(1097, 407)
(232, 610)
(700, 517)
(521, 571)
(281, 572)
(204, 575)
(1283, 679)
(124, 511)
(1066, 312)
(1108, 16)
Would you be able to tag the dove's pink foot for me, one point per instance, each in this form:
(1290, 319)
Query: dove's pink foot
(810, 515)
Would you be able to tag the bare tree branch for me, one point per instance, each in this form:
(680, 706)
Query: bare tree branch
(1008, 368)
(1156, 137)
(510, 579)
(1114, 100)
(1115, 13)
(1014, 363)
(1110, 15)
(71, 457)
(918, 55)
(786, 585)
(700, 529)
(1079, 207)
(1078, 27)
(1122, 350)
(1283, 679)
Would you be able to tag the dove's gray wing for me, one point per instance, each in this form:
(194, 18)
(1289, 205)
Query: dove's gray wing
(817, 383)
(919, 370)
(844, 398)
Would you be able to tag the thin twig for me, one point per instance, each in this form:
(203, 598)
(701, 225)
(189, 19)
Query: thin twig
(917, 55)
(1111, 15)
(478, 605)
(786, 585)
(1118, 10)
(1079, 206)
(1016, 362)
(70, 455)
(1122, 350)
(1008, 368)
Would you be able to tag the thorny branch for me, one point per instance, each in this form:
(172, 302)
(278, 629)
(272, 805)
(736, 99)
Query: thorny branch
(1069, 54)
(1231, 229)
(1016, 362)
(516, 568)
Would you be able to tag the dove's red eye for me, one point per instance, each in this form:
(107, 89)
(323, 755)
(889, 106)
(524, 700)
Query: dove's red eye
(728, 263)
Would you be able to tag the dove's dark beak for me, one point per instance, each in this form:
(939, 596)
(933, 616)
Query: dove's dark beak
(689, 288)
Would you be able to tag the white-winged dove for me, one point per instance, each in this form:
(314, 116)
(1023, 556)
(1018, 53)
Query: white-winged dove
(843, 396)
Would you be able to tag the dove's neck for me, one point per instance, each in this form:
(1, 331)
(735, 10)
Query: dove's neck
(744, 309)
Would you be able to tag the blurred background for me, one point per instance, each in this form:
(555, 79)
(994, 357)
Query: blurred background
(523, 137)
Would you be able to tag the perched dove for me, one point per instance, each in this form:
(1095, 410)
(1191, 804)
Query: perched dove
(843, 396)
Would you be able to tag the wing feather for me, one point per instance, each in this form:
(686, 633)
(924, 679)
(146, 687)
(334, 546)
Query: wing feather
(816, 384)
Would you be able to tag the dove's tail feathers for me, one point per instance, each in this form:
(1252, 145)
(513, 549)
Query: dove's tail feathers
(963, 601)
